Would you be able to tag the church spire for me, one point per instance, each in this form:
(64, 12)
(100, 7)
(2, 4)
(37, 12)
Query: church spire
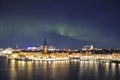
(45, 47)
(17, 46)
(45, 41)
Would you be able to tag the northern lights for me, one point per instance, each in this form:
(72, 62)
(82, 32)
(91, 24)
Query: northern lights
(67, 24)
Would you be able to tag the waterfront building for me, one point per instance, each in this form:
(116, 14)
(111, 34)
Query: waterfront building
(7, 51)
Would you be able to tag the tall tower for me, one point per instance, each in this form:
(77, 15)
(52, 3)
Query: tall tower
(91, 47)
(45, 47)
(16, 46)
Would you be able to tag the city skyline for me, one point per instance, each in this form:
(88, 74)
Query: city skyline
(66, 24)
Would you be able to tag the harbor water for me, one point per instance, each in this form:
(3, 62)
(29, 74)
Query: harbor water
(58, 70)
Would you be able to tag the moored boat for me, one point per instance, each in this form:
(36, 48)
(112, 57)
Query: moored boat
(23, 59)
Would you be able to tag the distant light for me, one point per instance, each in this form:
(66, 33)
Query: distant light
(31, 48)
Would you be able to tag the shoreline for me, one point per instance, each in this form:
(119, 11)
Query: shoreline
(24, 56)
(68, 59)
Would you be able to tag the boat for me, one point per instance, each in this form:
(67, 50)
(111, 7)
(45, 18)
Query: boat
(115, 61)
(23, 59)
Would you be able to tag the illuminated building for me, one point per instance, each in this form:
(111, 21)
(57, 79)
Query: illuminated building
(7, 51)
(45, 47)
(91, 47)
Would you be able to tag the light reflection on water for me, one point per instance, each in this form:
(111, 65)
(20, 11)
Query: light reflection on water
(62, 70)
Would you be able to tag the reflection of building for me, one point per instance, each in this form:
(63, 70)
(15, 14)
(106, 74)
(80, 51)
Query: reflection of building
(45, 47)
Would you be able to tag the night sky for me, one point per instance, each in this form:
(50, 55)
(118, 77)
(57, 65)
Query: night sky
(65, 23)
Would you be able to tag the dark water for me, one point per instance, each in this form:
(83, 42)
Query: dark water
(60, 70)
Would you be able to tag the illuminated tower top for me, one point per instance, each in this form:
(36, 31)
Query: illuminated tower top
(91, 47)
(16, 46)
